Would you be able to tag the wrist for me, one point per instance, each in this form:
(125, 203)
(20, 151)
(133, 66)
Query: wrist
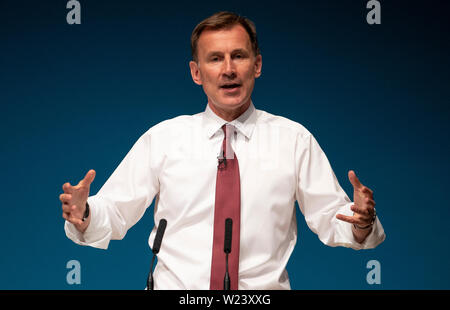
(362, 227)
(360, 235)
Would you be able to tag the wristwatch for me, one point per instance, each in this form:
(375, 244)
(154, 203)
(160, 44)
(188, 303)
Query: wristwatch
(86, 212)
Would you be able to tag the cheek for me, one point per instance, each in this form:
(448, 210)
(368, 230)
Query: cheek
(249, 74)
(209, 83)
(249, 78)
(209, 74)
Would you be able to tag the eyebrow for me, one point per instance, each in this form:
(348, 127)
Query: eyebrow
(236, 51)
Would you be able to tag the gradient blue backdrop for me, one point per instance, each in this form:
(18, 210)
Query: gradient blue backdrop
(76, 97)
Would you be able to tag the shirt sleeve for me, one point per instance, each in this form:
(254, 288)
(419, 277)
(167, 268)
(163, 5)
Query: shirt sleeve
(122, 200)
(321, 198)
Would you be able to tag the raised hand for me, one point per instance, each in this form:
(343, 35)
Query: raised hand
(364, 205)
(74, 201)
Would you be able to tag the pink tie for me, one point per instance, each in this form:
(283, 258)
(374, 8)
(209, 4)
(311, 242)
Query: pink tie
(227, 205)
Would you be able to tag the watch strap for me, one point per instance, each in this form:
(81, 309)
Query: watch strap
(86, 212)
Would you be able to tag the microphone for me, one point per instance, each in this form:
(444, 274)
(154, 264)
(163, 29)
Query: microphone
(222, 160)
(227, 250)
(159, 235)
(155, 249)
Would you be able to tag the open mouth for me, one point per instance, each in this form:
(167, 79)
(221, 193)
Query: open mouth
(232, 86)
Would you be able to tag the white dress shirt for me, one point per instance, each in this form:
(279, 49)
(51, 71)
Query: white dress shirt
(280, 162)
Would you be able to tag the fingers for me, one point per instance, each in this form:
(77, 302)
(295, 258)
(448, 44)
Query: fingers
(67, 188)
(348, 219)
(359, 210)
(358, 186)
(67, 208)
(352, 219)
(71, 219)
(354, 180)
(65, 198)
(366, 209)
(366, 191)
(88, 178)
(370, 202)
(362, 218)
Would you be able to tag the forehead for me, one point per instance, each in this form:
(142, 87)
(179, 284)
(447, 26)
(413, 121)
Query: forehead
(224, 40)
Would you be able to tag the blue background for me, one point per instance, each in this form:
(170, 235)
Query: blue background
(76, 97)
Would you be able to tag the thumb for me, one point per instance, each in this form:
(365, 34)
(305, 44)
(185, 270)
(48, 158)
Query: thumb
(88, 178)
(354, 179)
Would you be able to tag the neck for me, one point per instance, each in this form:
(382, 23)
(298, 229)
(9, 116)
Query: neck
(229, 114)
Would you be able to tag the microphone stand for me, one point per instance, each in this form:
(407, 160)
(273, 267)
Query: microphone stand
(226, 280)
(150, 276)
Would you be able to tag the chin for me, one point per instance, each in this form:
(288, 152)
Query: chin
(232, 103)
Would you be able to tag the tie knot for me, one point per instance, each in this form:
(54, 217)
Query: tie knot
(227, 151)
(224, 128)
(228, 129)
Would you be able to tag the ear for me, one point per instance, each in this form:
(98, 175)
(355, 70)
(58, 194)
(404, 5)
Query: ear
(195, 73)
(258, 66)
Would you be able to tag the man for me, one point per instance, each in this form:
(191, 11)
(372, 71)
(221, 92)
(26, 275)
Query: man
(231, 161)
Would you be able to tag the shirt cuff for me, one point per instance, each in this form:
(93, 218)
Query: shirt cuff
(373, 239)
(98, 233)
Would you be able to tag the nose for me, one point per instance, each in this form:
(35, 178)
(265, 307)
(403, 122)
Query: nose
(229, 70)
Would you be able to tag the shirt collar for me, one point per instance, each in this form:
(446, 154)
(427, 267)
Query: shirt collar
(245, 123)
